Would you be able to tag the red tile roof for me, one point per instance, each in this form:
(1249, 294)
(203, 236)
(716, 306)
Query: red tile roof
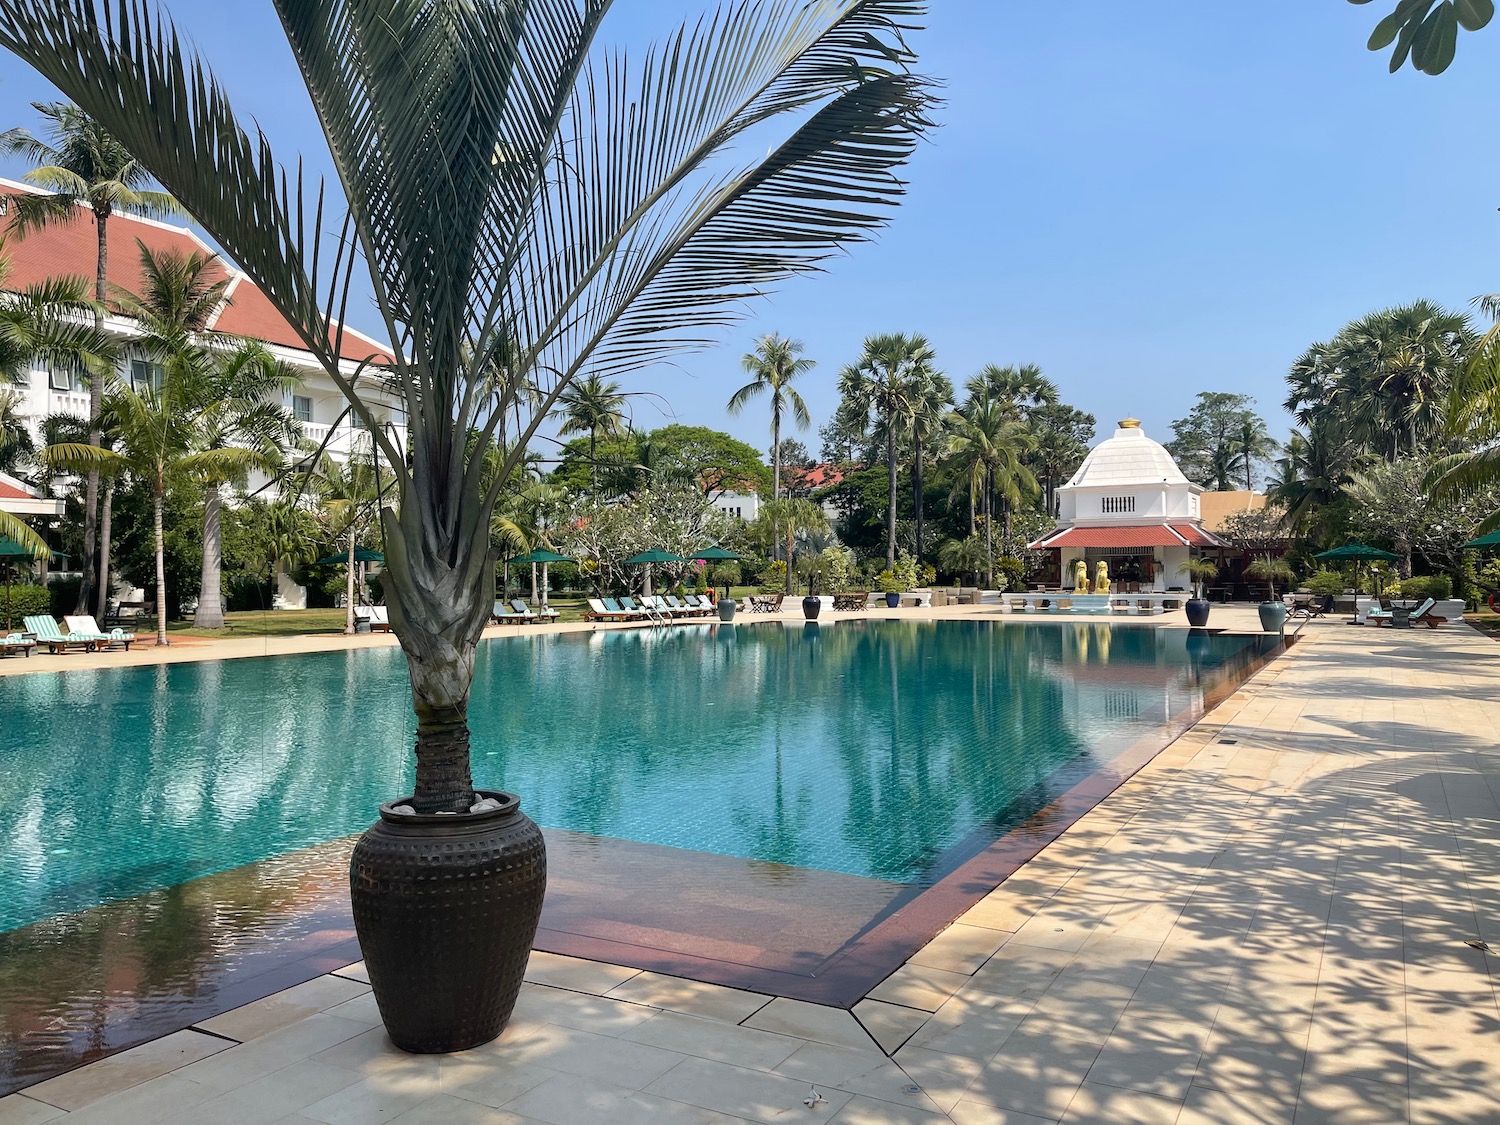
(10, 492)
(819, 476)
(1141, 535)
(1197, 536)
(71, 249)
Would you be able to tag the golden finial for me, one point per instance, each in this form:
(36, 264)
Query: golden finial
(1130, 424)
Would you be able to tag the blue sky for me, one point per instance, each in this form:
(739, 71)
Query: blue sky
(1146, 200)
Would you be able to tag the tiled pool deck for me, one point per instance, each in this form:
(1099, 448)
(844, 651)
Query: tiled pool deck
(1267, 924)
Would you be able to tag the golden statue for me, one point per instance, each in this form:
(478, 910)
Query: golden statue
(1101, 578)
(1080, 577)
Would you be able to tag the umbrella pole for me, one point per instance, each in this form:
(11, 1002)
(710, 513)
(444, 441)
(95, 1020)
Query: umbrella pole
(545, 580)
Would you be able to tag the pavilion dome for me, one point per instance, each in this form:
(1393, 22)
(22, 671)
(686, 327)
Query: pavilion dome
(1127, 458)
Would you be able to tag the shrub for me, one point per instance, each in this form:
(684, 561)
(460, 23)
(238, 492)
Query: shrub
(1437, 586)
(244, 592)
(887, 582)
(773, 578)
(29, 600)
(1010, 573)
(1324, 582)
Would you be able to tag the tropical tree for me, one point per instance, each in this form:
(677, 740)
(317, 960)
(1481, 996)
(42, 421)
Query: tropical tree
(82, 164)
(788, 519)
(927, 425)
(883, 386)
(347, 495)
(1063, 435)
(593, 406)
(773, 365)
(509, 187)
(230, 391)
(1311, 474)
(1427, 31)
(16, 444)
(1221, 441)
(988, 446)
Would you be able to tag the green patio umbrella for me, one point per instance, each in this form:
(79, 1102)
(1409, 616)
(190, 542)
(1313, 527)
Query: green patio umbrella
(719, 554)
(10, 549)
(655, 555)
(538, 555)
(361, 555)
(1357, 553)
(1490, 540)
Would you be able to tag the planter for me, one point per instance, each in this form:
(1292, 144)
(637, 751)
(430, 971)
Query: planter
(893, 601)
(1272, 616)
(811, 606)
(1197, 612)
(446, 908)
(727, 607)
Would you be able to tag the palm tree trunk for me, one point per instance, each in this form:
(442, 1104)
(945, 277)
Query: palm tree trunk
(890, 510)
(96, 436)
(776, 453)
(916, 474)
(210, 611)
(533, 584)
(989, 532)
(790, 535)
(593, 461)
(105, 519)
(158, 501)
(349, 587)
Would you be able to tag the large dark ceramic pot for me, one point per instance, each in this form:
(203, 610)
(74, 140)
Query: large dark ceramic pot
(1272, 616)
(446, 908)
(893, 601)
(727, 607)
(1197, 612)
(812, 605)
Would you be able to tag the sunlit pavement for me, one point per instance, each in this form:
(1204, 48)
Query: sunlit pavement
(1271, 922)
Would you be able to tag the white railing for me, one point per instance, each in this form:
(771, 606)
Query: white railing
(346, 439)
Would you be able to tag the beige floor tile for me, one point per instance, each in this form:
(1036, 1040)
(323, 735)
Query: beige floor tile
(752, 1094)
(269, 1099)
(1021, 970)
(443, 1110)
(1150, 1058)
(356, 971)
(1003, 909)
(973, 1024)
(890, 1025)
(690, 997)
(1079, 1008)
(867, 1072)
(361, 1010)
(1206, 1106)
(18, 1109)
(982, 1113)
(1097, 1104)
(576, 1101)
(617, 1061)
(147, 1104)
(576, 973)
(960, 948)
(1036, 1074)
(1064, 924)
(712, 1039)
(286, 1007)
(810, 1021)
(380, 1097)
(861, 1110)
(1455, 1101)
(480, 1077)
(942, 1077)
(919, 986)
(241, 1065)
(118, 1073)
(1343, 1101)
(580, 1010)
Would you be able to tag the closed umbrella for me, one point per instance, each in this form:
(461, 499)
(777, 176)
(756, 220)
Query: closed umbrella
(647, 558)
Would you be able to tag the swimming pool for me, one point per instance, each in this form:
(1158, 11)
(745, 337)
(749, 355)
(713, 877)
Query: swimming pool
(876, 749)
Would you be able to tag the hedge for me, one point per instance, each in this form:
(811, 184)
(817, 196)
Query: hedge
(27, 601)
(1438, 586)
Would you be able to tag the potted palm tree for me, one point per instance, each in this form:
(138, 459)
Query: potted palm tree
(529, 208)
(1200, 570)
(1271, 571)
(889, 585)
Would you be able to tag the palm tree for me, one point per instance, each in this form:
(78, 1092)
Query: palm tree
(1023, 388)
(787, 520)
(231, 393)
(593, 406)
(154, 434)
(83, 164)
(347, 494)
(1312, 472)
(773, 365)
(988, 445)
(1254, 443)
(886, 383)
(932, 395)
(517, 191)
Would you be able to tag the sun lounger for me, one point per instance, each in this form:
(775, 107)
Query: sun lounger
(700, 604)
(614, 606)
(380, 617)
(1427, 614)
(12, 643)
(45, 628)
(520, 606)
(597, 612)
(502, 613)
(681, 608)
(646, 606)
(541, 612)
(84, 625)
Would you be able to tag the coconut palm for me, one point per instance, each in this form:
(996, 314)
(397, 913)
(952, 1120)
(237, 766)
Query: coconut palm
(1254, 443)
(788, 519)
(509, 186)
(1024, 388)
(773, 365)
(927, 425)
(82, 164)
(988, 445)
(16, 445)
(231, 392)
(885, 385)
(347, 495)
(594, 406)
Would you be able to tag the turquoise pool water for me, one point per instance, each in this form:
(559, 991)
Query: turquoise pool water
(872, 748)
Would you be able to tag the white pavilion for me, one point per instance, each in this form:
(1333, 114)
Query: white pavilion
(1130, 506)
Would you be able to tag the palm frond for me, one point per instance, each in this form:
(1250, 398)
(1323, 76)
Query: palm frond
(12, 527)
